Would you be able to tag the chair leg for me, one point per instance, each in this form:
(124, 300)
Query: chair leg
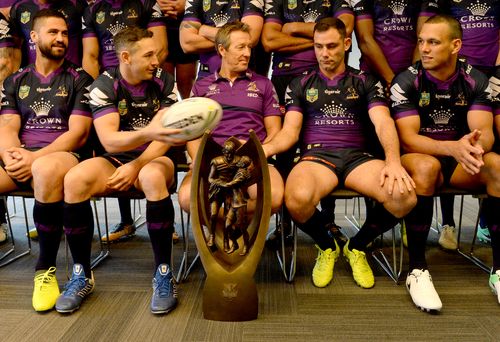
(287, 256)
(470, 255)
(104, 251)
(393, 271)
(13, 244)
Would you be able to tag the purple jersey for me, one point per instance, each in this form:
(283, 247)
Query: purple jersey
(45, 104)
(245, 103)
(136, 105)
(216, 14)
(6, 39)
(495, 91)
(105, 18)
(304, 11)
(480, 22)
(335, 112)
(442, 106)
(394, 23)
(21, 18)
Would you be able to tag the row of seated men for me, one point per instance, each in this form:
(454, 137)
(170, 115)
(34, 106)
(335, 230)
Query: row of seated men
(439, 99)
(386, 31)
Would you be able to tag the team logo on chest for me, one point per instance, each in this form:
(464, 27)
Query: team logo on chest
(352, 94)
(252, 86)
(425, 99)
(461, 101)
(311, 94)
(24, 91)
(213, 90)
(25, 17)
(292, 4)
(206, 5)
(122, 107)
(61, 91)
(132, 14)
(156, 105)
(99, 17)
(235, 4)
(326, 3)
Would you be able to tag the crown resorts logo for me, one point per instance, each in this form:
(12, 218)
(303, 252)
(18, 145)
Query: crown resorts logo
(397, 7)
(42, 107)
(441, 116)
(333, 110)
(220, 19)
(116, 27)
(479, 9)
(310, 16)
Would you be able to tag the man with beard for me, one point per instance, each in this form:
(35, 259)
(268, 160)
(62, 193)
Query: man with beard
(44, 124)
(22, 13)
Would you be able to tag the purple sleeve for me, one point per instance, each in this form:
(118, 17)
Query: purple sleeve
(274, 11)
(253, 8)
(102, 96)
(8, 101)
(88, 29)
(193, 11)
(403, 95)
(81, 104)
(271, 106)
(293, 96)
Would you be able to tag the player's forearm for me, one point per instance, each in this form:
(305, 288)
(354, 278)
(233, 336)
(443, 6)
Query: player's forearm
(208, 32)
(154, 150)
(282, 141)
(276, 41)
(8, 139)
(376, 59)
(91, 65)
(68, 141)
(191, 41)
(388, 137)
(421, 144)
(124, 140)
(298, 29)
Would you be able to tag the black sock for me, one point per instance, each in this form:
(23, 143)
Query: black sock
(3, 218)
(125, 210)
(49, 225)
(328, 209)
(447, 209)
(491, 208)
(160, 217)
(79, 229)
(418, 224)
(314, 227)
(378, 221)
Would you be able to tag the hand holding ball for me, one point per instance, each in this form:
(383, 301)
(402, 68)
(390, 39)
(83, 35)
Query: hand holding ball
(193, 116)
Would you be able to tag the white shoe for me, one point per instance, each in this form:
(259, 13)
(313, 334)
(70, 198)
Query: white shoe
(422, 291)
(448, 238)
(3, 232)
(495, 284)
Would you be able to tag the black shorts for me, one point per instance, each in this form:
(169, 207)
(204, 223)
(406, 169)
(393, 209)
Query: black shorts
(341, 161)
(175, 53)
(27, 184)
(448, 166)
(120, 158)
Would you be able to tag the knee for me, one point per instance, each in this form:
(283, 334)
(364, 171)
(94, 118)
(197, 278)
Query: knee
(426, 176)
(184, 197)
(76, 183)
(46, 173)
(399, 204)
(298, 202)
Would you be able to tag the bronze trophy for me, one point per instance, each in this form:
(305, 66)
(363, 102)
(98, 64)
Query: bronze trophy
(229, 241)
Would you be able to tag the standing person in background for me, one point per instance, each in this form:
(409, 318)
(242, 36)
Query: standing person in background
(181, 65)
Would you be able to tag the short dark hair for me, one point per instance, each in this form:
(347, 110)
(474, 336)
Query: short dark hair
(128, 36)
(222, 36)
(327, 23)
(456, 31)
(46, 13)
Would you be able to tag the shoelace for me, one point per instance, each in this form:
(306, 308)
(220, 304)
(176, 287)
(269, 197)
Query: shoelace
(75, 285)
(45, 278)
(358, 260)
(323, 259)
(163, 286)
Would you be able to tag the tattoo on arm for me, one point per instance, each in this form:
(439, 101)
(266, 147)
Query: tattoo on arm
(190, 25)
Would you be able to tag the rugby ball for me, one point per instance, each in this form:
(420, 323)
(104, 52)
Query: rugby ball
(194, 116)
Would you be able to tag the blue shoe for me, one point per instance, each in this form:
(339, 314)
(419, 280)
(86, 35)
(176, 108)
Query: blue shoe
(164, 297)
(483, 234)
(75, 290)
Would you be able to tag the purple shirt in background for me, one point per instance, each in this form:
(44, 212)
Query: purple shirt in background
(335, 112)
(21, 16)
(442, 106)
(305, 11)
(105, 18)
(394, 25)
(245, 104)
(216, 14)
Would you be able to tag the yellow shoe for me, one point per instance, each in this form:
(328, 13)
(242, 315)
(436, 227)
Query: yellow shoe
(322, 273)
(33, 234)
(361, 271)
(403, 234)
(46, 290)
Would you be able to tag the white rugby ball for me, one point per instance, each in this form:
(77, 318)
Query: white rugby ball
(194, 116)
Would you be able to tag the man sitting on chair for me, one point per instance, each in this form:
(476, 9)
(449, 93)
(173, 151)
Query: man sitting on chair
(331, 109)
(44, 125)
(443, 115)
(126, 103)
(249, 102)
